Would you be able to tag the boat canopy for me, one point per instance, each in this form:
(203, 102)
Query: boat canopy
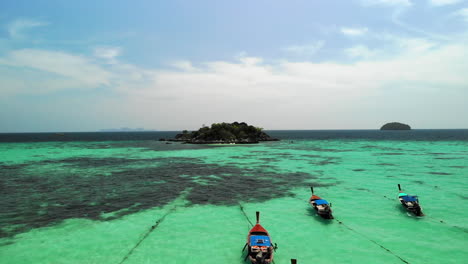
(409, 198)
(402, 194)
(260, 241)
(321, 201)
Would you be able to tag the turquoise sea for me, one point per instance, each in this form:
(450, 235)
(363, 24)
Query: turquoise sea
(129, 198)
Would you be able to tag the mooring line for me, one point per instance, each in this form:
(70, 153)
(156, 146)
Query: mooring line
(426, 216)
(156, 224)
(443, 222)
(151, 229)
(245, 215)
(463, 229)
(373, 241)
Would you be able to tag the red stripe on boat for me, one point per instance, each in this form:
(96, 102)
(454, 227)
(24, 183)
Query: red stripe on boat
(315, 197)
(258, 228)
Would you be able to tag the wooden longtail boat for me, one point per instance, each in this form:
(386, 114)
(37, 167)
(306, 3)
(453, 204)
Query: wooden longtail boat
(260, 248)
(410, 202)
(321, 206)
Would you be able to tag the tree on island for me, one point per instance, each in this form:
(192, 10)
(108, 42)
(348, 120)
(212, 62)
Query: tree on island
(395, 126)
(225, 133)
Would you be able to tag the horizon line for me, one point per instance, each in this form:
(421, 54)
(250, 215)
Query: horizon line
(149, 131)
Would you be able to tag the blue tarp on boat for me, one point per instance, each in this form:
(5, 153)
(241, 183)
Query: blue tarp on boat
(319, 202)
(409, 198)
(260, 241)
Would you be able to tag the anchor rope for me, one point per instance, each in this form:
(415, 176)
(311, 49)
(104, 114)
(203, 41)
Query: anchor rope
(147, 233)
(435, 220)
(156, 224)
(443, 222)
(373, 241)
(245, 215)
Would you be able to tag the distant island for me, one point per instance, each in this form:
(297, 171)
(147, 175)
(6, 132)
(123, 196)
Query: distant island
(224, 133)
(395, 126)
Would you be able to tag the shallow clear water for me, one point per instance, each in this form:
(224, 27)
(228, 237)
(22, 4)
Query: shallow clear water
(142, 201)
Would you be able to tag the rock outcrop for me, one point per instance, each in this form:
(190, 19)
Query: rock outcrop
(395, 126)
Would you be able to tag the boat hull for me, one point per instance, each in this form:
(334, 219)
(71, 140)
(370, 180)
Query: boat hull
(414, 208)
(324, 214)
(323, 211)
(410, 203)
(259, 254)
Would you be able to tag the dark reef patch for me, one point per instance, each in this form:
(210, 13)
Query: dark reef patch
(239, 157)
(458, 167)
(388, 153)
(329, 150)
(386, 164)
(370, 146)
(311, 156)
(440, 173)
(12, 167)
(86, 162)
(156, 145)
(269, 159)
(449, 158)
(382, 148)
(362, 189)
(327, 161)
(327, 178)
(31, 200)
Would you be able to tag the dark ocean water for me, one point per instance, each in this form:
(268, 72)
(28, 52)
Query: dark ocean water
(418, 134)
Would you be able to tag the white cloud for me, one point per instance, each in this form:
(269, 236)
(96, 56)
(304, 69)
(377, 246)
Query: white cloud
(183, 65)
(414, 45)
(252, 90)
(463, 13)
(108, 53)
(18, 27)
(267, 92)
(387, 2)
(360, 51)
(444, 2)
(420, 31)
(354, 31)
(305, 50)
(64, 70)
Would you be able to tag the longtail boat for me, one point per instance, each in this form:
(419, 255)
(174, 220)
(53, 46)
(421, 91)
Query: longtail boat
(410, 202)
(321, 206)
(260, 248)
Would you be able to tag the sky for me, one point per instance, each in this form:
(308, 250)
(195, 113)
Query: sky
(173, 65)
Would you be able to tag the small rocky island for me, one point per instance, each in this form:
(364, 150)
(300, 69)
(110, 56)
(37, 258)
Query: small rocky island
(224, 133)
(395, 126)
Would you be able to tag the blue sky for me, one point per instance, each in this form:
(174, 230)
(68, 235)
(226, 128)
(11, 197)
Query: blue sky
(172, 65)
